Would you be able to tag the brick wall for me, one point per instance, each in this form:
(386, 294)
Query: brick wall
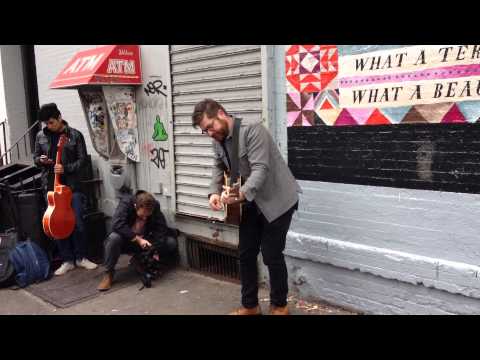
(441, 157)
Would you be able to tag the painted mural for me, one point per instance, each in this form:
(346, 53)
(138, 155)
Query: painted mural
(339, 85)
(121, 107)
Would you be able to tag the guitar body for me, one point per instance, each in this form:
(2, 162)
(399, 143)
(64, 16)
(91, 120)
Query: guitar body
(47, 214)
(233, 212)
(59, 218)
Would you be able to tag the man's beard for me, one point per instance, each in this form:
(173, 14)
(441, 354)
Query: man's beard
(222, 133)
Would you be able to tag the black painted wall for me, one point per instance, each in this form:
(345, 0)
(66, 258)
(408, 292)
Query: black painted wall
(441, 157)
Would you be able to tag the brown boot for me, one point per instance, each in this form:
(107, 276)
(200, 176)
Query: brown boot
(245, 311)
(106, 282)
(279, 310)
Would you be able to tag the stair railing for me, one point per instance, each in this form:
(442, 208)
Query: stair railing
(6, 157)
(3, 133)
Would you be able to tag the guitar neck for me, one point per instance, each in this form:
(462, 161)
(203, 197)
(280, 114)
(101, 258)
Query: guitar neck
(226, 182)
(58, 161)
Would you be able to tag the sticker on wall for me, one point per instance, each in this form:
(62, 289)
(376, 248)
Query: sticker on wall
(121, 107)
(95, 110)
(159, 133)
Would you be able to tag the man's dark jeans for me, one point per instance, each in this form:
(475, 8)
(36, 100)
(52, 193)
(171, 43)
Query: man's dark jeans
(75, 247)
(115, 245)
(256, 234)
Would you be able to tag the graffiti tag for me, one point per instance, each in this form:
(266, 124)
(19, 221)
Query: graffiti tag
(158, 157)
(155, 87)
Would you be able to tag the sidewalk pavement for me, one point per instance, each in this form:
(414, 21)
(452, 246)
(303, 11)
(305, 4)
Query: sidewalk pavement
(178, 292)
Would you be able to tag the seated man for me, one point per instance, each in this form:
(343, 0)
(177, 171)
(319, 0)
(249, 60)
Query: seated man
(137, 225)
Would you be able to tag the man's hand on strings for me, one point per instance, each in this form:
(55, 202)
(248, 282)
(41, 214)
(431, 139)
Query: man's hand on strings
(232, 195)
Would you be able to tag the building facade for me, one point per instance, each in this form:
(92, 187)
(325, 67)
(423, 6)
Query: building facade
(388, 165)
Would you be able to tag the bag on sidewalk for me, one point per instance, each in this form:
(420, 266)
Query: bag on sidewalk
(30, 262)
(152, 262)
(8, 241)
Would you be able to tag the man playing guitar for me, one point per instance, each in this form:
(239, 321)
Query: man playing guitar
(269, 197)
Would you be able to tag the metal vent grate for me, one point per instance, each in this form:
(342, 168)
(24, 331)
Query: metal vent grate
(215, 260)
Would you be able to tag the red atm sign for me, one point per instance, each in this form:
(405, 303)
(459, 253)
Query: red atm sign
(105, 65)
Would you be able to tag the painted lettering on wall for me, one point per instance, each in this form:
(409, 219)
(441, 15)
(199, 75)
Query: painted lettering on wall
(155, 88)
(410, 75)
(340, 85)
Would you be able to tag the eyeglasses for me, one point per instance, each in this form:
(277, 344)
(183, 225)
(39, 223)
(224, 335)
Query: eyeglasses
(208, 127)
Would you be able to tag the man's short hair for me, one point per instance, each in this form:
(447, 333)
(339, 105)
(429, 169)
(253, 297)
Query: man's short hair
(207, 107)
(145, 200)
(48, 111)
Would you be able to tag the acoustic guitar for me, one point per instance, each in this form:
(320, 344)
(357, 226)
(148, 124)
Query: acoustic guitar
(59, 218)
(233, 212)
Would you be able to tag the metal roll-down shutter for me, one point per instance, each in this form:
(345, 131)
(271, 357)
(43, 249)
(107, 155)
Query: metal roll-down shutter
(230, 74)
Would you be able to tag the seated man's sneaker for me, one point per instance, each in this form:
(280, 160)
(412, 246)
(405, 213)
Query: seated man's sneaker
(279, 310)
(245, 311)
(66, 266)
(87, 264)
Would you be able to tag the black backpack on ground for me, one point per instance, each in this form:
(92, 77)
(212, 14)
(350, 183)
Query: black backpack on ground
(8, 241)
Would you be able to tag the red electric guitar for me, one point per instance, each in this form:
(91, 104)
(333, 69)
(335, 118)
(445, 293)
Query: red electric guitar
(59, 218)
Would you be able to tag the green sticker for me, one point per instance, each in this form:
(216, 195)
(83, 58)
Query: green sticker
(159, 133)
